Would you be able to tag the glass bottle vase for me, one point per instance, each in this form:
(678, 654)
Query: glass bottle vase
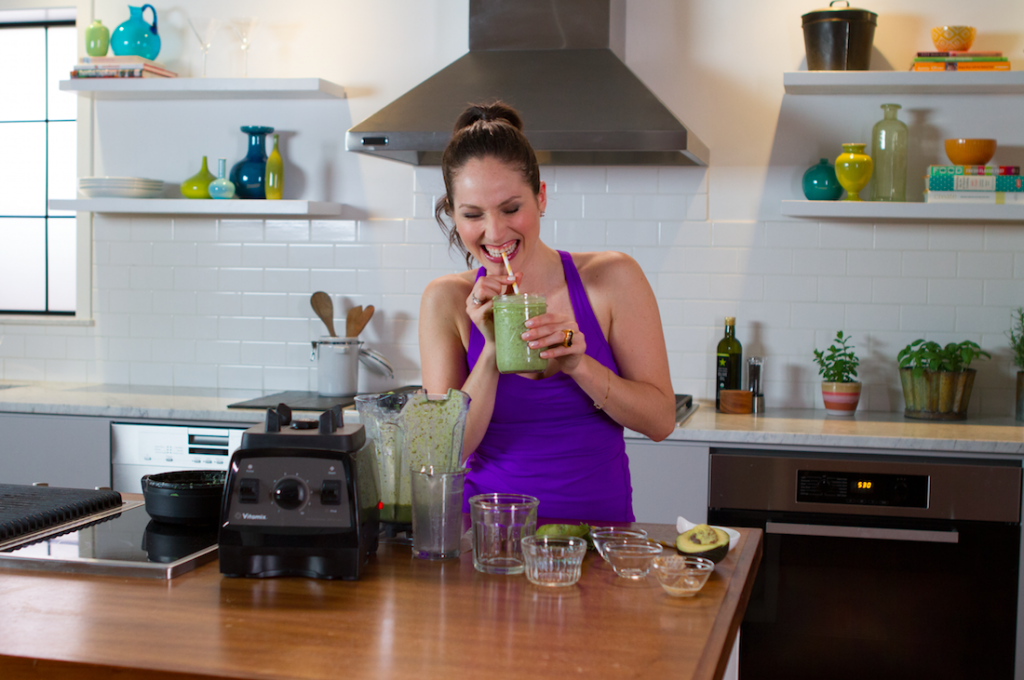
(889, 153)
(222, 186)
(273, 183)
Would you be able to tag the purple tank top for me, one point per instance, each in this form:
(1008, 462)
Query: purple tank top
(547, 439)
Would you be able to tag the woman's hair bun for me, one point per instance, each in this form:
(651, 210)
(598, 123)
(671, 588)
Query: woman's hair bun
(496, 111)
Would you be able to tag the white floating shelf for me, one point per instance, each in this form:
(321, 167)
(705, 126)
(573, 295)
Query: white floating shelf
(903, 82)
(209, 206)
(204, 88)
(922, 212)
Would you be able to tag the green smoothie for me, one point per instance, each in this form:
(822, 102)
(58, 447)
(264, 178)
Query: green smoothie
(510, 315)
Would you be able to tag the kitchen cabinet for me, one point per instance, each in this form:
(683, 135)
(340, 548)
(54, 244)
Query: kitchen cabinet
(902, 83)
(669, 479)
(203, 89)
(67, 451)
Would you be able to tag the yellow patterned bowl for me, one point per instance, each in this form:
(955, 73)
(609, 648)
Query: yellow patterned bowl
(970, 151)
(953, 38)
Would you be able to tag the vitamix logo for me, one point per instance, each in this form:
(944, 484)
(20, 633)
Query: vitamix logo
(246, 515)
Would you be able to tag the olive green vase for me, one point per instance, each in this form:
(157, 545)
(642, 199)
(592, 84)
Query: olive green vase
(198, 185)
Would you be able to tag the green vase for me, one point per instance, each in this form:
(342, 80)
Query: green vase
(273, 180)
(198, 185)
(889, 153)
(97, 39)
(853, 170)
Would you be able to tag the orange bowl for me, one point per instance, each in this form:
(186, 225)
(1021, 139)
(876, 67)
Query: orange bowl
(953, 38)
(970, 151)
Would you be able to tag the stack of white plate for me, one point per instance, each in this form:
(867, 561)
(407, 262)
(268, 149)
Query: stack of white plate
(120, 187)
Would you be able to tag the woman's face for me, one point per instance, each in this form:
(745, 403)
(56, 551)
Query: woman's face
(496, 211)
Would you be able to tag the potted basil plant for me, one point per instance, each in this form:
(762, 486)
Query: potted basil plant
(937, 380)
(1016, 334)
(838, 369)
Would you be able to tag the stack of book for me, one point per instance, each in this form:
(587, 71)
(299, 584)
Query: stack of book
(997, 184)
(128, 66)
(960, 61)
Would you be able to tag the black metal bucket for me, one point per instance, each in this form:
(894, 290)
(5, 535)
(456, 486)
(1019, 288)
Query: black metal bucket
(839, 39)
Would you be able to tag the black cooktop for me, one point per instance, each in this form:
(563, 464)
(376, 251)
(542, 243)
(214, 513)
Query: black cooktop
(304, 401)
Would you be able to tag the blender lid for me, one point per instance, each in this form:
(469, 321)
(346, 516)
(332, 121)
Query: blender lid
(840, 14)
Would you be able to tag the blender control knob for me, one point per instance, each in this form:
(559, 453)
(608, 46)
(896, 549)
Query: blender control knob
(290, 493)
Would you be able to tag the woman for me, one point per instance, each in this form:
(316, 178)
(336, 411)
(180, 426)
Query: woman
(556, 435)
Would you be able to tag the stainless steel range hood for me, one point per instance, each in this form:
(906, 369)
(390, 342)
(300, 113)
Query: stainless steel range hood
(559, 63)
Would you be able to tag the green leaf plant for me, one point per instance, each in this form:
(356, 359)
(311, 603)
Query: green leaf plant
(921, 356)
(840, 363)
(1016, 334)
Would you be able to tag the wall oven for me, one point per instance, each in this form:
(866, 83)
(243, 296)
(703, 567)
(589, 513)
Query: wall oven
(875, 566)
(138, 449)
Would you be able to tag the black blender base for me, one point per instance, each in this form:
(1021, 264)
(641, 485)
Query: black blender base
(396, 532)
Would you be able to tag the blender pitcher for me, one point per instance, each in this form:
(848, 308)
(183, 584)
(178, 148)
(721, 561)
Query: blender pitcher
(379, 415)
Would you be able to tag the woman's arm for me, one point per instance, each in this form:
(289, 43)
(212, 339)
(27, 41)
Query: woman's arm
(640, 397)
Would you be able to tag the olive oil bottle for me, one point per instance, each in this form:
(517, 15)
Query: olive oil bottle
(729, 362)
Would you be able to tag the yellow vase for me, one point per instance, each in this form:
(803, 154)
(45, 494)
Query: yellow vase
(273, 180)
(853, 170)
(198, 185)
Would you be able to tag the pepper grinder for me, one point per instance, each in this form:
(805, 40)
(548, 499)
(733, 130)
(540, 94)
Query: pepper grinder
(755, 365)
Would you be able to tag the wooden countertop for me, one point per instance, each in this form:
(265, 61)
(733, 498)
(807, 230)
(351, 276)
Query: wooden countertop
(407, 619)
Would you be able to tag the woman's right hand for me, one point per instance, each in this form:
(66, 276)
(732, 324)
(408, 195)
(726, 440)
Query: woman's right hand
(480, 303)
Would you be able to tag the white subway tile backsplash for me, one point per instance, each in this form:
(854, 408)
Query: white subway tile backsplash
(741, 234)
(633, 180)
(114, 276)
(381, 231)
(791, 234)
(129, 253)
(87, 348)
(928, 264)
(873, 262)
(1005, 293)
(682, 180)
(131, 349)
(219, 304)
(291, 329)
(18, 368)
(901, 237)
(380, 281)
(219, 254)
(64, 370)
(131, 301)
(683, 234)
(707, 313)
(977, 319)
(608, 206)
(240, 377)
(899, 291)
(428, 179)
(958, 237)
(872, 317)
(816, 315)
(110, 227)
(196, 278)
(286, 280)
(358, 256)
(564, 206)
(955, 292)
(174, 302)
(424, 231)
(711, 260)
(286, 230)
(406, 256)
(194, 375)
(332, 231)
(927, 318)
(664, 207)
(286, 378)
(578, 180)
(218, 352)
(260, 305)
(985, 265)
(697, 207)
(846, 235)
(631, 233)
(195, 327)
(819, 262)
(46, 347)
(11, 345)
(579, 233)
(264, 255)
(240, 231)
(151, 326)
(736, 287)
(152, 278)
(195, 229)
(844, 289)
(687, 286)
(264, 353)
(152, 229)
(240, 327)
(1004, 238)
(407, 305)
(175, 350)
(423, 206)
(753, 316)
(241, 279)
(174, 253)
(416, 280)
(790, 288)
(332, 280)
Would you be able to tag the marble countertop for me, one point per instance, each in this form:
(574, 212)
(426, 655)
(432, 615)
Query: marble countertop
(778, 427)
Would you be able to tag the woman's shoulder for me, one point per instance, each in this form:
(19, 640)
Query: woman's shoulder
(607, 268)
(450, 289)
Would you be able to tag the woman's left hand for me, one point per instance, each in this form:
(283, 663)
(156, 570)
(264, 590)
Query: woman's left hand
(559, 338)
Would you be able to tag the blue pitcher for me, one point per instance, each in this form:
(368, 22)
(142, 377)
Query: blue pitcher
(135, 36)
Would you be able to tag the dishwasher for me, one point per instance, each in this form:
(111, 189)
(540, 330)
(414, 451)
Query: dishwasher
(875, 566)
(138, 449)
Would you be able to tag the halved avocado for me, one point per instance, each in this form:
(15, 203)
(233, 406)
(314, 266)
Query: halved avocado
(704, 541)
(581, 530)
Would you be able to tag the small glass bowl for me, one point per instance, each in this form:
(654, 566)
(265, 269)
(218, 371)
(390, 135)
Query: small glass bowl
(682, 576)
(553, 560)
(601, 535)
(631, 557)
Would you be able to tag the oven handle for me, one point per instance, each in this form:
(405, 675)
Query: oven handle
(861, 532)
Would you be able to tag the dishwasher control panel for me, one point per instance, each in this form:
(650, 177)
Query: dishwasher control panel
(862, 488)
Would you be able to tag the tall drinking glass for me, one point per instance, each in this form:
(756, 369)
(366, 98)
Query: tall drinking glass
(500, 522)
(437, 512)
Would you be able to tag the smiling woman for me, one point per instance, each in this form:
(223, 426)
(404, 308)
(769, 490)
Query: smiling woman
(556, 434)
(37, 134)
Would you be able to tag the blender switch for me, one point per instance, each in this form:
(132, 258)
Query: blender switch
(249, 491)
(330, 492)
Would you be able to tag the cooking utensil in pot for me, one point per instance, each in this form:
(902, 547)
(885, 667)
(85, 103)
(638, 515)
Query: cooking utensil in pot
(184, 497)
(352, 320)
(324, 308)
(364, 318)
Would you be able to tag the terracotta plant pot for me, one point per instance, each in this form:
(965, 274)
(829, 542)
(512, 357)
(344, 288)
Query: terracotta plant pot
(841, 399)
(937, 395)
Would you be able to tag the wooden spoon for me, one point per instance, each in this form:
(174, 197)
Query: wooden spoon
(324, 308)
(363, 319)
(351, 319)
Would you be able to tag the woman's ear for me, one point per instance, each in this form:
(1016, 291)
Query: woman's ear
(542, 197)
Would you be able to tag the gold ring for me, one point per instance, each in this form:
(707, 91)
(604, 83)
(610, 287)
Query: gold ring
(567, 342)
(475, 301)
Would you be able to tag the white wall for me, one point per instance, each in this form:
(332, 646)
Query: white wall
(207, 303)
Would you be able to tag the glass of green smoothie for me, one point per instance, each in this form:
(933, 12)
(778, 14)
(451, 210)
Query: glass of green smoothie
(510, 315)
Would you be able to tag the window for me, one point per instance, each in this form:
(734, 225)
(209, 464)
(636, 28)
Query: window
(38, 143)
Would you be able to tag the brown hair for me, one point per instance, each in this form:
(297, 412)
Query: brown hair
(484, 130)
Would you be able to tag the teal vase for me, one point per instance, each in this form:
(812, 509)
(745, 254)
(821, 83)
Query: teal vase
(222, 186)
(97, 39)
(135, 36)
(889, 153)
(248, 173)
(820, 183)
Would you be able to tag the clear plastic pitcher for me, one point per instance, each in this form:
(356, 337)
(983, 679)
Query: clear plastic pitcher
(411, 431)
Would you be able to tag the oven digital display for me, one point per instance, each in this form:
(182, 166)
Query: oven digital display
(825, 486)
